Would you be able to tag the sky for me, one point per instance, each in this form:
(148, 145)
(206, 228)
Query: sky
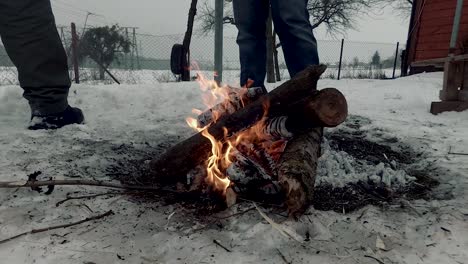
(167, 17)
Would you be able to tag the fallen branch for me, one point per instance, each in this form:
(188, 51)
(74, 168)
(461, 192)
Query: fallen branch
(219, 244)
(26, 184)
(40, 230)
(87, 197)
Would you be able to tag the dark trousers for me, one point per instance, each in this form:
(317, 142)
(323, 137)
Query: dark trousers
(30, 37)
(291, 21)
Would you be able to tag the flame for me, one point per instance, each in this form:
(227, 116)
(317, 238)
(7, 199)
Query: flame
(222, 151)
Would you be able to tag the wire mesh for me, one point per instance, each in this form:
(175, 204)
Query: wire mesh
(148, 59)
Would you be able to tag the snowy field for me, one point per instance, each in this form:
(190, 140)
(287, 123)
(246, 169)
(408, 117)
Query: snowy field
(129, 123)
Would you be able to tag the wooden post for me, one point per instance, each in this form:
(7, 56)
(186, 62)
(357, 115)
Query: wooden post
(135, 43)
(396, 59)
(185, 76)
(218, 56)
(275, 57)
(341, 59)
(75, 53)
(270, 60)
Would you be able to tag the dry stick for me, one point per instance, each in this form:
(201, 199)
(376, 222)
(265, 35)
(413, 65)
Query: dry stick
(219, 244)
(34, 231)
(25, 184)
(87, 197)
(374, 258)
(236, 214)
(456, 153)
(283, 257)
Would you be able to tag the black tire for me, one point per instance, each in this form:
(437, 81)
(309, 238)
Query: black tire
(178, 59)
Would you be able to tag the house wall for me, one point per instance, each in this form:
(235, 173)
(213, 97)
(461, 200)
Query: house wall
(434, 28)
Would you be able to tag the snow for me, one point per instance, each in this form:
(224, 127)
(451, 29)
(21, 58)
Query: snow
(128, 122)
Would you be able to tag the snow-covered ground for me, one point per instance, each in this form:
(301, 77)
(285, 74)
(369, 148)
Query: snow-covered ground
(131, 122)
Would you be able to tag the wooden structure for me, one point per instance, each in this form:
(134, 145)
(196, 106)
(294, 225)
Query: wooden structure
(438, 40)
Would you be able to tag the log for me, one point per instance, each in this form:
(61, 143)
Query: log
(297, 170)
(174, 164)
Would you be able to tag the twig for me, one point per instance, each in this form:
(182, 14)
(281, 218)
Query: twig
(87, 197)
(374, 258)
(236, 214)
(456, 153)
(219, 244)
(40, 230)
(25, 184)
(276, 225)
(283, 257)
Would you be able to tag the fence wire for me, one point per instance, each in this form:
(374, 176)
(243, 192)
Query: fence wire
(148, 59)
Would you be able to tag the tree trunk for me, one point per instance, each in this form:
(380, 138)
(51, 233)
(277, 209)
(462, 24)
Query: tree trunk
(270, 48)
(174, 165)
(187, 39)
(101, 73)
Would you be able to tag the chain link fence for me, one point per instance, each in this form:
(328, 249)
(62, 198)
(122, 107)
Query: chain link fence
(148, 59)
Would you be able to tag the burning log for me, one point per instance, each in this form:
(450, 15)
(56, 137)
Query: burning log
(297, 97)
(297, 170)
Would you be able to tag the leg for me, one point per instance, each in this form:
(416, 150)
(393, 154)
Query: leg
(250, 17)
(292, 24)
(28, 31)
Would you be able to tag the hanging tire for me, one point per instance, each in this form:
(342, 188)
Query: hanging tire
(178, 59)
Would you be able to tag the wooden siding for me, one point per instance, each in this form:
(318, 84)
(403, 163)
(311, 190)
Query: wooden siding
(434, 29)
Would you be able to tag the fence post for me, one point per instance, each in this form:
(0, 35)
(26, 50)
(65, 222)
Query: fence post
(396, 59)
(218, 58)
(341, 59)
(74, 50)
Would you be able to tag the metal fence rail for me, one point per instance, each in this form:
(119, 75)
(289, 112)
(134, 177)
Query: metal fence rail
(149, 59)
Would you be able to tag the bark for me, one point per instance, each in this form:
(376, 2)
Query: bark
(297, 170)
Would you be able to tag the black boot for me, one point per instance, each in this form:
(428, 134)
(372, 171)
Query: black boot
(71, 115)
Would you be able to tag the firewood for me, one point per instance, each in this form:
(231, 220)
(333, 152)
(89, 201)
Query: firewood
(174, 165)
(297, 170)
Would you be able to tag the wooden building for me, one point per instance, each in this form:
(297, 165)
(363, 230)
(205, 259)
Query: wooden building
(438, 41)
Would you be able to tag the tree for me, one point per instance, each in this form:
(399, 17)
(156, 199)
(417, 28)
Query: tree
(206, 16)
(402, 7)
(103, 45)
(376, 61)
(355, 62)
(336, 15)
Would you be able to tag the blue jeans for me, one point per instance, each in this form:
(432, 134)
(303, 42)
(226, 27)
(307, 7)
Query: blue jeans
(291, 21)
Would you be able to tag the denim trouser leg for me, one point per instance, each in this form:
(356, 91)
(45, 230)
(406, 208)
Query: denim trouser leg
(250, 17)
(292, 24)
(28, 31)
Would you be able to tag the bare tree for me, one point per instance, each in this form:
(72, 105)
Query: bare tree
(402, 7)
(336, 15)
(206, 16)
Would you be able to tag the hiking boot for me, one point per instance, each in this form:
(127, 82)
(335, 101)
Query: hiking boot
(71, 115)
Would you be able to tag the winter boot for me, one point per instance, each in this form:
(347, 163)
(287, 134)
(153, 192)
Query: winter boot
(70, 115)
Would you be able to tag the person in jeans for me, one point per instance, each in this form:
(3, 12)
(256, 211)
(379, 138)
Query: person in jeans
(31, 40)
(291, 21)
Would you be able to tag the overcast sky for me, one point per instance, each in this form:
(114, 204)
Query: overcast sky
(163, 17)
